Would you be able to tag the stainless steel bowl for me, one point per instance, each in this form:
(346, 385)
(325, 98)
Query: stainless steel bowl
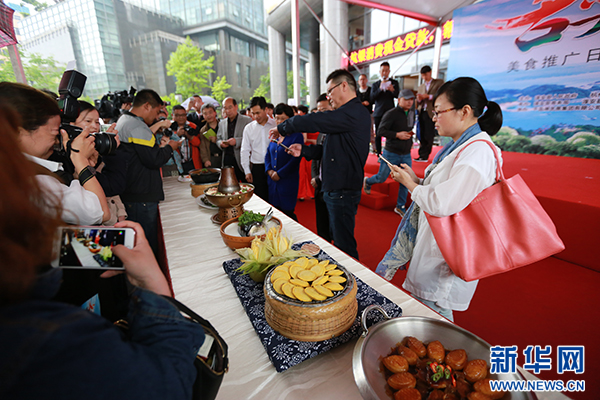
(378, 340)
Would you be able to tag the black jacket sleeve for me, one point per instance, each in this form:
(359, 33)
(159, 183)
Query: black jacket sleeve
(153, 157)
(113, 177)
(331, 122)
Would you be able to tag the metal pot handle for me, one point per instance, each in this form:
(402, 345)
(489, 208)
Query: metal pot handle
(364, 316)
(239, 198)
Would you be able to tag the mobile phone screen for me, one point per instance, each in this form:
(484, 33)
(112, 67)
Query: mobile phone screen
(91, 247)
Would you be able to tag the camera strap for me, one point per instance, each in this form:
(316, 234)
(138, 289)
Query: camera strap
(70, 148)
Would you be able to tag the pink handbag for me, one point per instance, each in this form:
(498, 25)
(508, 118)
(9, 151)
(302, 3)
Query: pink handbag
(504, 228)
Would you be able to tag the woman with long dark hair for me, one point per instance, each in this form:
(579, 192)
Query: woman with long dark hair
(52, 350)
(463, 113)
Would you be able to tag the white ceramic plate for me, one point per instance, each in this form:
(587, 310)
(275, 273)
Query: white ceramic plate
(204, 203)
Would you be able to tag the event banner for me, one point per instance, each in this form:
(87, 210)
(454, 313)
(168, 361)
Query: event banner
(540, 60)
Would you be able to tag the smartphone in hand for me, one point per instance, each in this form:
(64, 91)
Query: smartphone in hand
(90, 247)
(386, 161)
(280, 144)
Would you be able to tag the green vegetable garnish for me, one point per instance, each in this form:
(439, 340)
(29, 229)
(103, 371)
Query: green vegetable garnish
(249, 217)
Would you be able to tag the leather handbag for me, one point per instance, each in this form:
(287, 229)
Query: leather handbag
(503, 228)
(209, 377)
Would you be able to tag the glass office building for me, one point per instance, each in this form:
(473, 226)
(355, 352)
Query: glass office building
(122, 43)
(89, 28)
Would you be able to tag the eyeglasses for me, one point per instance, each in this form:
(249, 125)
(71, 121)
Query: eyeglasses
(331, 90)
(437, 113)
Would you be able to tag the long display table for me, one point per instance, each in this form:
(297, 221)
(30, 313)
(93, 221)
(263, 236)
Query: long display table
(195, 255)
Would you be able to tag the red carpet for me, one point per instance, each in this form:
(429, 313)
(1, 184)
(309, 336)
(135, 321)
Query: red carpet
(552, 302)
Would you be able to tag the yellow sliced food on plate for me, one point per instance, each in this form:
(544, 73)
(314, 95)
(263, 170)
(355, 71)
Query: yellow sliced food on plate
(337, 279)
(280, 274)
(329, 267)
(294, 269)
(324, 263)
(307, 275)
(313, 294)
(321, 280)
(298, 282)
(319, 270)
(323, 290)
(335, 272)
(302, 261)
(278, 284)
(286, 288)
(283, 267)
(333, 286)
(300, 294)
(311, 263)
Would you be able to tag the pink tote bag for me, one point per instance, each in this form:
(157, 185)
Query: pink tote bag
(504, 228)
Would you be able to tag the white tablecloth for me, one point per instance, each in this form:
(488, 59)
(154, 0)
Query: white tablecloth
(196, 252)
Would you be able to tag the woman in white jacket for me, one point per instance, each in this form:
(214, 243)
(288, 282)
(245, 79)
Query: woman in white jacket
(463, 113)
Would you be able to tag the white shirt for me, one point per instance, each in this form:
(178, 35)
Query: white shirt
(80, 206)
(255, 142)
(446, 191)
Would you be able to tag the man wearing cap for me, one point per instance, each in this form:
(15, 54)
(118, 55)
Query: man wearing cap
(396, 126)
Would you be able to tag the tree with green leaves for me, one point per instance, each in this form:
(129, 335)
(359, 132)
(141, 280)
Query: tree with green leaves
(190, 69)
(41, 72)
(219, 89)
(36, 5)
(290, 86)
(264, 89)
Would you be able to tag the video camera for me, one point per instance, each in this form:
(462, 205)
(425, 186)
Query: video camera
(110, 104)
(70, 89)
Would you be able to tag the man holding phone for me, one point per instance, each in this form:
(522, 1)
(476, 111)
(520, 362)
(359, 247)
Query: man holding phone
(396, 126)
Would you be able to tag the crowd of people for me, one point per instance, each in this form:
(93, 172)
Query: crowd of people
(52, 177)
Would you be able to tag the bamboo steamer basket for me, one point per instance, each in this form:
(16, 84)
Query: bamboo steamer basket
(314, 321)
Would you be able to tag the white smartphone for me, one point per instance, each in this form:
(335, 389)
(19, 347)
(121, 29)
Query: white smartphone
(90, 247)
(104, 127)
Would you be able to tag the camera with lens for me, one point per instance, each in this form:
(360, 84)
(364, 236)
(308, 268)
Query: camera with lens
(168, 132)
(109, 106)
(70, 89)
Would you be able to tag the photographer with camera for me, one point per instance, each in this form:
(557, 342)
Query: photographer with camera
(190, 153)
(83, 200)
(110, 169)
(145, 157)
(112, 105)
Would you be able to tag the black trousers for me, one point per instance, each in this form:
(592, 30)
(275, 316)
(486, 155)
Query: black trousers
(259, 180)
(377, 121)
(427, 129)
(322, 215)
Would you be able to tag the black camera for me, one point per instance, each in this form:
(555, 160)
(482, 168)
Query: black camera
(70, 89)
(168, 132)
(109, 106)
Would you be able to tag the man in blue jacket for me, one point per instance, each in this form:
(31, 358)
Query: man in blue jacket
(343, 153)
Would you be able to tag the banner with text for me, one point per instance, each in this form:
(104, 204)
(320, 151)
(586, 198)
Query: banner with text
(540, 60)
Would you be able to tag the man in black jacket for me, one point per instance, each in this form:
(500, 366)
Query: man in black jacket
(383, 93)
(343, 153)
(396, 125)
(321, 213)
(144, 158)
